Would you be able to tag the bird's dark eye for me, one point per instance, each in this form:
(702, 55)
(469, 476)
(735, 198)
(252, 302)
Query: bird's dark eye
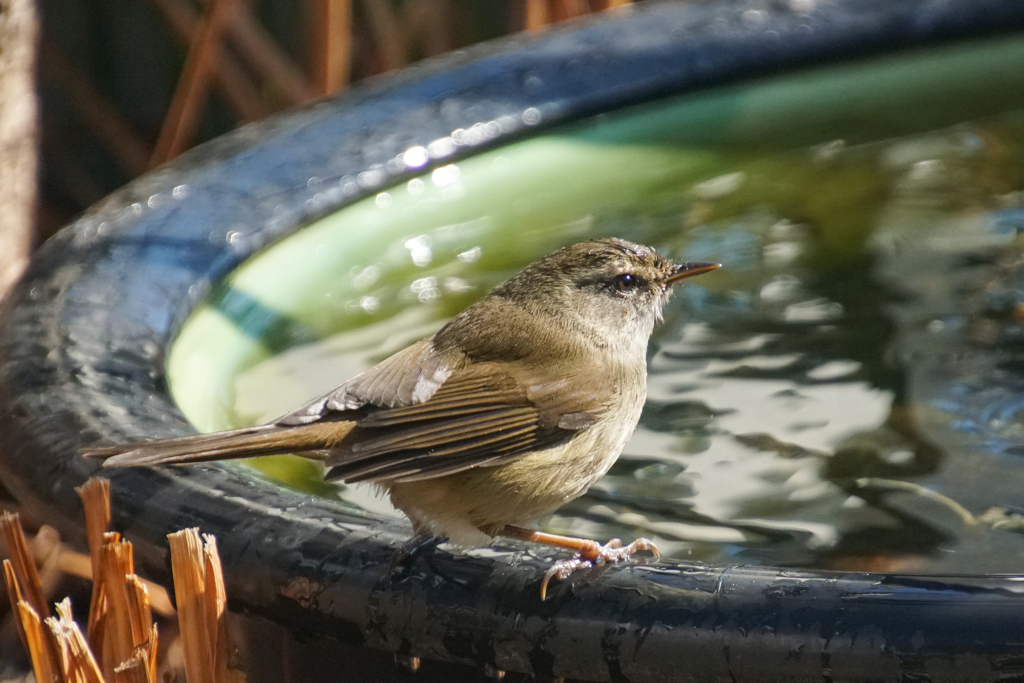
(626, 282)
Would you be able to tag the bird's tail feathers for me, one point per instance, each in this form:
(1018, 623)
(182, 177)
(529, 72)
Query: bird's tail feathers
(310, 441)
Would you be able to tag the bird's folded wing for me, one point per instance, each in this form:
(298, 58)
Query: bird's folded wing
(485, 414)
(416, 415)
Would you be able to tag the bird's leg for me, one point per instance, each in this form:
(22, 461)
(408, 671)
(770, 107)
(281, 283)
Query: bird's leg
(588, 552)
(420, 543)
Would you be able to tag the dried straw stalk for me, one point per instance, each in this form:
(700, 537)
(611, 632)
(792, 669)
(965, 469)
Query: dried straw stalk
(120, 615)
(121, 625)
(21, 561)
(202, 614)
(44, 665)
(76, 659)
(95, 495)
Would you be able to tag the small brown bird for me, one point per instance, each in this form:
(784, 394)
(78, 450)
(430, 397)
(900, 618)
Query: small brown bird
(512, 409)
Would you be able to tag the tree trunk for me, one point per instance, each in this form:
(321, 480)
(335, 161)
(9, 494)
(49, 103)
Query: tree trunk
(18, 129)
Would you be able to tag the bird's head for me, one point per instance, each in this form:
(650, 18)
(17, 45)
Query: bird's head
(613, 288)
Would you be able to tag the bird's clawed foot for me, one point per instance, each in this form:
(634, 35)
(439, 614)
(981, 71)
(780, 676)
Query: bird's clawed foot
(590, 553)
(595, 554)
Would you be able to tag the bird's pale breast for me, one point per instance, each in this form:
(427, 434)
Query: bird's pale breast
(463, 505)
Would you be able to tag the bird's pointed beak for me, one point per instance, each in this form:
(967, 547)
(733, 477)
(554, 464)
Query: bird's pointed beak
(685, 270)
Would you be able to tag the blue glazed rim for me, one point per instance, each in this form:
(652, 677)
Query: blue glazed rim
(83, 339)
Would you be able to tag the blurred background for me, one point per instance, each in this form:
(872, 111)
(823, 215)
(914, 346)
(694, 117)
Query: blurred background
(95, 92)
(126, 85)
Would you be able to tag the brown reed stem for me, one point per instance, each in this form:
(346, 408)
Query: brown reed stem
(189, 570)
(202, 609)
(184, 110)
(21, 561)
(16, 598)
(95, 495)
(79, 664)
(44, 664)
